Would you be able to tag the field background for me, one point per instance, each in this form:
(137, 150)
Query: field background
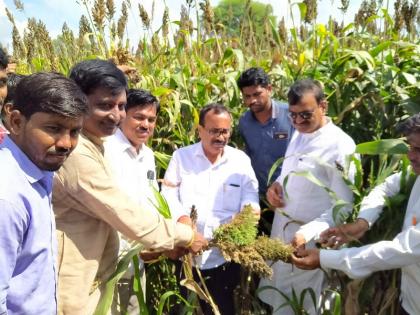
(369, 67)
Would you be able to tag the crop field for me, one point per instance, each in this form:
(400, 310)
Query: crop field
(370, 69)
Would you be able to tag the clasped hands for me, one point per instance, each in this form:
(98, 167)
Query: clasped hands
(334, 237)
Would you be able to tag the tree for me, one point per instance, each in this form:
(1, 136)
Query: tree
(235, 14)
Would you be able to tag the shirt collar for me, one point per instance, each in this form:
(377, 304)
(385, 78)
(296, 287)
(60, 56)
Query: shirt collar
(125, 144)
(32, 172)
(324, 129)
(99, 142)
(274, 111)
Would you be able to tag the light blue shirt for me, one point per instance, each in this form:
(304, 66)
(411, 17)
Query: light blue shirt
(266, 143)
(27, 236)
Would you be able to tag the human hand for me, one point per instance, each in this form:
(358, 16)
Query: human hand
(275, 195)
(337, 236)
(185, 220)
(306, 259)
(298, 241)
(198, 244)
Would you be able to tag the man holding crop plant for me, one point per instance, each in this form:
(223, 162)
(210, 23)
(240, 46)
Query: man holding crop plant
(401, 252)
(133, 165)
(219, 181)
(265, 129)
(89, 206)
(318, 149)
(44, 129)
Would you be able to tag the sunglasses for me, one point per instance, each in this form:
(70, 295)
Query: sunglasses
(217, 132)
(306, 115)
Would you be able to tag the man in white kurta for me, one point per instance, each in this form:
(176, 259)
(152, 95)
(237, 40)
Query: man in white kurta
(316, 147)
(401, 252)
(219, 181)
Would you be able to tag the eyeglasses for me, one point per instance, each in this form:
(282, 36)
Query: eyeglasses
(306, 115)
(217, 132)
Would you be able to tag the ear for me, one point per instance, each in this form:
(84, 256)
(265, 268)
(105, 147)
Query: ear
(200, 130)
(269, 88)
(324, 106)
(17, 122)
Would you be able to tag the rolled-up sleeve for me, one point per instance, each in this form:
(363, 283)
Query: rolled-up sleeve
(249, 194)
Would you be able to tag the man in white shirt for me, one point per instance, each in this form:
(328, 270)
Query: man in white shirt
(219, 181)
(134, 169)
(317, 148)
(401, 252)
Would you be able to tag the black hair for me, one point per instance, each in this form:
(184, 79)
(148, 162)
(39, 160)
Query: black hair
(96, 73)
(301, 87)
(216, 107)
(51, 93)
(4, 59)
(410, 125)
(253, 76)
(12, 81)
(141, 98)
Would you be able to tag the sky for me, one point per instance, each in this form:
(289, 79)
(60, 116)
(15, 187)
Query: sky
(55, 12)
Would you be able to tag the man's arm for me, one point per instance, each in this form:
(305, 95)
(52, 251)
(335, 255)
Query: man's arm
(249, 192)
(89, 183)
(12, 229)
(359, 262)
(328, 218)
(370, 210)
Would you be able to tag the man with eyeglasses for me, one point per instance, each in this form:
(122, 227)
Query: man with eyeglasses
(266, 128)
(219, 181)
(320, 150)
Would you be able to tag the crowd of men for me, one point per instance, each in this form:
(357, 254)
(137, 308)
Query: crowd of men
(79, 181)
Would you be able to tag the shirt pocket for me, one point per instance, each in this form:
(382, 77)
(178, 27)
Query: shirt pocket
(232, 197)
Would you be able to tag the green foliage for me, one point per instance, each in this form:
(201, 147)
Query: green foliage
(370, 70)
(230, 14)
(242, 230)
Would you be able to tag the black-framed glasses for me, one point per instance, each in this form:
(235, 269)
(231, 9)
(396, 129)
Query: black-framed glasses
(305, 115)
(216, 132)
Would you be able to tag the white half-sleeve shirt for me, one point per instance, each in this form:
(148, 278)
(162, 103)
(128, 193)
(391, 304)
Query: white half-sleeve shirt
(218, 191)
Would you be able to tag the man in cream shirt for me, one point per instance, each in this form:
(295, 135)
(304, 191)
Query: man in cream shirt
(219, 181)
(316, 148)
(401, 252)
(133, 165)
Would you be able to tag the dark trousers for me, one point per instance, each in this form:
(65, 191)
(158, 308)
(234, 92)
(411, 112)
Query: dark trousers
(403, 311)
(221, 283)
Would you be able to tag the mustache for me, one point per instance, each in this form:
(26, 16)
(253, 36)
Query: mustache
(218, 142)
(58, 151)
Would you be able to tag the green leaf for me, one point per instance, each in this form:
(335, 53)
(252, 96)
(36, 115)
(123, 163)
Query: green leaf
(411, 79)
(109, 287)
(385, 146)
(273, 168)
